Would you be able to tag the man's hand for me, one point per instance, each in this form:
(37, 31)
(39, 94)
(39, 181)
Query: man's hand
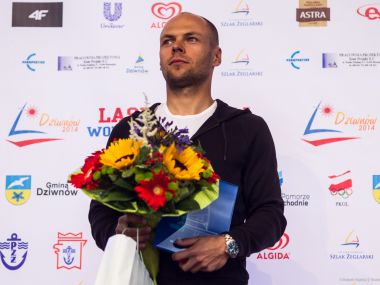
(203, 253)
(128, 224)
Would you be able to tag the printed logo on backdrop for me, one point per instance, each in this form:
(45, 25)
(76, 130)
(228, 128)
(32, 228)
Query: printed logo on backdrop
(69, 250)
(164, 12)
(351, 60)
(51, 189)
(370, 11)
(329, 60)
(138, 67)
(108, 117)
(37, 14)
(327, 126)
(341, 188)
(295, 60)
(18, 188)
(31, 127)
(359, 280)
(276, 252)
(292, 199)
(89, 62)
(241, 66)
(13, 252)
(30, 62)
(349, 249)
(313, 13)
(112, 12)
(376, 188)
(241, 16)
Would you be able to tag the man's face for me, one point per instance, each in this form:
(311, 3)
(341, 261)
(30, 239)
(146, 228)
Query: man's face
(187, 53)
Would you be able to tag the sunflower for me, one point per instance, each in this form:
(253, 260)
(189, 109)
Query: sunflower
(121, 153)
(184, 165)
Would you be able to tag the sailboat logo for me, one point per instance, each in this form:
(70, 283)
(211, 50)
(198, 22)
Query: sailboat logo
(351, 240)
(241, 58)
(241, 8)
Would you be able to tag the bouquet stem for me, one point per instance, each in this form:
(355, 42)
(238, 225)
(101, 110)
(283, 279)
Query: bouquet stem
(150, 253)
(151, 261)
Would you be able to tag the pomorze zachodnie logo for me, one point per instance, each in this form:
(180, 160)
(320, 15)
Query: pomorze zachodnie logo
(323, 115)
(276, 252)
(164, 12)
(37, 14)
(30, 62)
(370, 11)
(13, 252)
(27, 130)
(18, 188)
(69, 250)
(292, 200)
(112, 12)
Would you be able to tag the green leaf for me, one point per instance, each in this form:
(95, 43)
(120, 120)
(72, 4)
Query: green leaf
(168, 196)
(143, 155)
(203, 198)
(96, 175)
(104, 169)
(113, 177)
(123, 183)
(207, 173)
(109, 195)
(127, 172)
(110, 170)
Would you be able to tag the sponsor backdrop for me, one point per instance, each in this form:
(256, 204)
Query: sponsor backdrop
(73, 69)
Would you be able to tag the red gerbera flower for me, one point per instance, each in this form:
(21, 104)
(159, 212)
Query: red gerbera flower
(84, 179)
(153, 191)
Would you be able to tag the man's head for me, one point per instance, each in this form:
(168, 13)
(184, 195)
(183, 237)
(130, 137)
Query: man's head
(189, 51)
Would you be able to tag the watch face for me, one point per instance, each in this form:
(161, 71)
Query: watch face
(232, 249)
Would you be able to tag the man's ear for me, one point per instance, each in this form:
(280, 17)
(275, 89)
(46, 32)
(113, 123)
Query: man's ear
(217, 57)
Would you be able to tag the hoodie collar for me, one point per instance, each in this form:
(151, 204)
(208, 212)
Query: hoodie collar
(222, 114)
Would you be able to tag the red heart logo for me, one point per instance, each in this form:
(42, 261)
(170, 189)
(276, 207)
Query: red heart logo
(166, 11)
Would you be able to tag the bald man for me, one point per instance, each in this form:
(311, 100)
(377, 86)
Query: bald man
(240, 148)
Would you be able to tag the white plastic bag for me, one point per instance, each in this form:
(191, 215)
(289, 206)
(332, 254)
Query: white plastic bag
(122, 264)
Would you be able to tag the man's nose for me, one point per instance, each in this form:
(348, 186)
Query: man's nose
(177, 47)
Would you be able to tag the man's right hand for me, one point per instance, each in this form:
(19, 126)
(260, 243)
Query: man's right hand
(128, 224)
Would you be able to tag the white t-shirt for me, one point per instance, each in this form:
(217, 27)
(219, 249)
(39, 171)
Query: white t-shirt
(191, 122)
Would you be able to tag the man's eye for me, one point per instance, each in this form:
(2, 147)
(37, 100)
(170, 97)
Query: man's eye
(192, 39)
(167, 42)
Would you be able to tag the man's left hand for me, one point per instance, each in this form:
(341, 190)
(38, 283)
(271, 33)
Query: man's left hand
(202, 253)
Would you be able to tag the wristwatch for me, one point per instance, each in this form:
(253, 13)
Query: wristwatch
(232, 248)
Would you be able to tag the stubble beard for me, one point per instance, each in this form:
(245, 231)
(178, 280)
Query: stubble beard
(191, 78)
(187, 79)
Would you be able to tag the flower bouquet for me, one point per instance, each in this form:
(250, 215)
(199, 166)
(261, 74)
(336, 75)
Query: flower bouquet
(156, 172)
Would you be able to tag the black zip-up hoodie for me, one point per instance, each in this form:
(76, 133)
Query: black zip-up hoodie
(241, 150)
